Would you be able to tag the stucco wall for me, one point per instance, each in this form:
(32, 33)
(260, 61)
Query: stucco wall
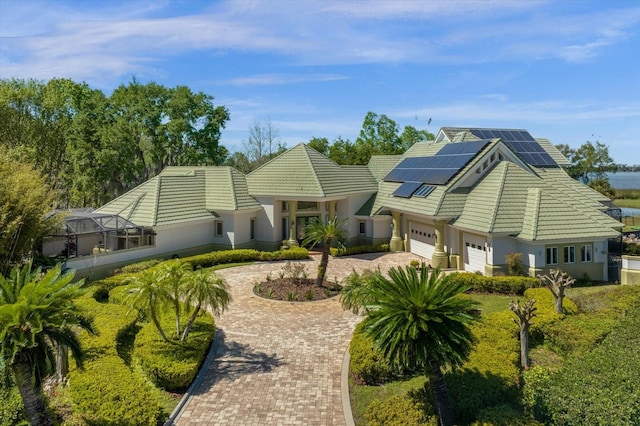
(630, 273)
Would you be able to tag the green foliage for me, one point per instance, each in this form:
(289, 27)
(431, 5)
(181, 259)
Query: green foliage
(368, 365)
(244, 255)
(398, 411)
(589, 162)
(11, 408)
(501, 285)
(348, 251)
(631, 249)
(292, 253)
(546, 315)
(173, 365)
(25, 201)
(491, 375)
(137, 267)
(536, 381)
(514, 264)
(503, 415)
(600, 388)
(106, 391)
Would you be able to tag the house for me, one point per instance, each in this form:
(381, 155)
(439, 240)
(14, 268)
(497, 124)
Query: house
(463, 201)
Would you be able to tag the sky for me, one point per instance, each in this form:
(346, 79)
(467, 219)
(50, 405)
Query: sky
(565, 70)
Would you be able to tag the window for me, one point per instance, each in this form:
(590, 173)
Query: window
(218, 225)
(362, 227)
(307, 205)
(552, 255)
(569, 254)
(252, 228)
(285, 206)
(285, 228)
(586, 253)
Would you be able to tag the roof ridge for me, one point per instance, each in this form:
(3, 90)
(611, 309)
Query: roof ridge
(154, 214)
(498, 195)
(315, 172)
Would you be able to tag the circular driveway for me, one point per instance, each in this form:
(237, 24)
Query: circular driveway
(278, 363)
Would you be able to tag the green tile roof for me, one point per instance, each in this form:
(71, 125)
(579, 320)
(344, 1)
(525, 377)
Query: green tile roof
(183, 194)
(380, 165)
(303, 172)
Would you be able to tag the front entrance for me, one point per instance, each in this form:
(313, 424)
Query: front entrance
(301, 224)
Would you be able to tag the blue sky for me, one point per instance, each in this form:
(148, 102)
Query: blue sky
(568, 70)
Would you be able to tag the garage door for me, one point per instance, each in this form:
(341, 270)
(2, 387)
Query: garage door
(475, 253)
(422, 239)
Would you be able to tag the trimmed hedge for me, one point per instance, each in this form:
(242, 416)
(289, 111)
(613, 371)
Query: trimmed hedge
(246, 255)
(600, 388)
(491, 375)
(501, 285)
(106, 392)
(367, 366)
(398, 411)
(546, 315)
(173, 365)
(11, 407)
(348, 251)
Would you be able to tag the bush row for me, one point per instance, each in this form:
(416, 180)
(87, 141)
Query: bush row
(546, 317)
(11, 408)
(347, 251)
(173, 365)
(106, 392)
(367, 366)
(501, 284)
(601, 387)
(245, 255)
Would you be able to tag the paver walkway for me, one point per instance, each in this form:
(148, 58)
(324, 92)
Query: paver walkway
(279, 363)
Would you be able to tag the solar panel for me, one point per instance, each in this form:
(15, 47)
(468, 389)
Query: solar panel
(424, 190)
(438, 169)
(521, 142)
(407, 189)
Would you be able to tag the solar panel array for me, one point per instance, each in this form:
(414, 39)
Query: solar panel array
(438, 169)
(522, 143)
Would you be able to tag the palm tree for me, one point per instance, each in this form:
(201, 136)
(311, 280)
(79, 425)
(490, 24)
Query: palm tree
(148, 296)
(323, 234)
(419, 322)
(204, 289)
(37, 315)
(171, 276)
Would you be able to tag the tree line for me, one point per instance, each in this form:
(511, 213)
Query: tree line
(91, 147)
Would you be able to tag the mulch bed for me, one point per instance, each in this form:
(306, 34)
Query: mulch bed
(296, 289)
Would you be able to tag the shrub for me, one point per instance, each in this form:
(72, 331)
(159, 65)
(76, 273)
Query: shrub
(398, 411)
(503, 415)
(367, 364)
(500, 285)
(100, 294)
(491, 375)
(546, 315)
(173, 365)
(347, 251)
(137, 267)
(601, 387)
(11, 408)
(514, 264)
(293, 253)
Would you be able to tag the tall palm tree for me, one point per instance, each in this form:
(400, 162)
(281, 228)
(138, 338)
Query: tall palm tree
(323, 234)
(203, 289)
(171, 276)
(37, 314)
(419, 322)
(148, 295)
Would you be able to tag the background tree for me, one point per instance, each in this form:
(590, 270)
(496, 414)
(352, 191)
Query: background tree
(263, 144)
(420, 323)
(557, 282)
(37, 314)
(524, 313)
(590, 164)
(25, 201)
(321, 145)
(203, 289)
(323, 235)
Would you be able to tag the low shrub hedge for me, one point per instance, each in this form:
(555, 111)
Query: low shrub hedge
(367, 366)
(107, 392)
(491, 375)
(137, 267)
(501, 285)
(173, 365)
(602, 386)
(347, 251)
(398, 411)
(245, 255)
(11, 407)
(546, 315)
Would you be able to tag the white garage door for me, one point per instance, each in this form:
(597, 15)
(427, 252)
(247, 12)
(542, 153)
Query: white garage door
(422, 239)
(475, 253)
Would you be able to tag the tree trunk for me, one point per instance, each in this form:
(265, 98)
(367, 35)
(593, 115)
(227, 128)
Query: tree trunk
(187, 327)
(322, 268)
(32, 398)
(440, 394)
(155, 321)
(177, 309)
(524, 347)
(558, 301)
(62, 362)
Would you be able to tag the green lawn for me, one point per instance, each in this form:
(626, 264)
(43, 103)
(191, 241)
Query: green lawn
(628, 202)
(490, 303)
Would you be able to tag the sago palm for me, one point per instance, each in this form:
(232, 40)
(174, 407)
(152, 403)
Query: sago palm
(419, 322)
(37, 315)
(203, 289)
(323, 234)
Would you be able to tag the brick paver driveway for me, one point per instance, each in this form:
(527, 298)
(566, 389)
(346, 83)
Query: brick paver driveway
(278, 363)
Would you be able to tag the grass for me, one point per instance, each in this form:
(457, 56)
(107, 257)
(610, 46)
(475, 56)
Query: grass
(628, 202)
(490, 303)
